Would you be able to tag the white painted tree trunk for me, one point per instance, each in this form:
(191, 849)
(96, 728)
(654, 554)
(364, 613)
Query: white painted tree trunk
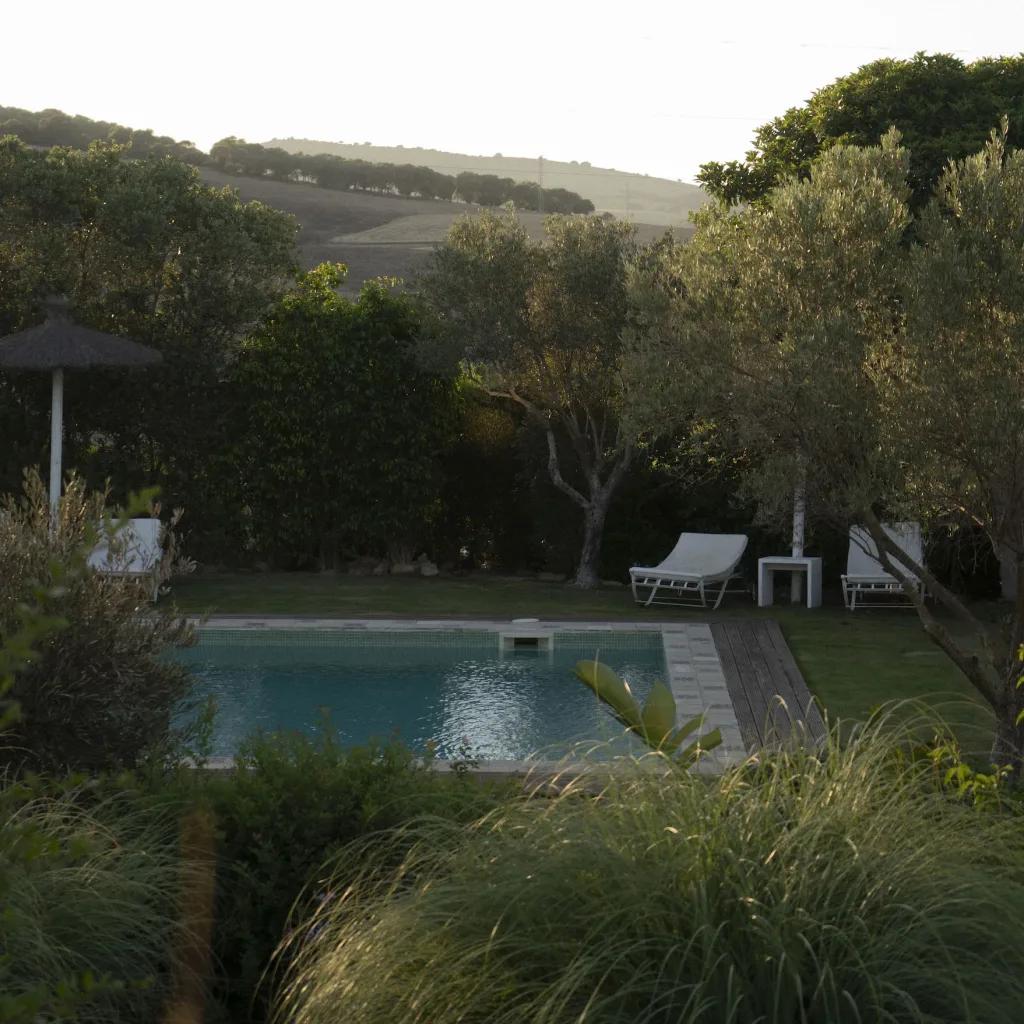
(796, 585)
(56, 437)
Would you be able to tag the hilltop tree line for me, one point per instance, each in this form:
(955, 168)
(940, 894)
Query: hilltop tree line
(48, 128)
(236, 156)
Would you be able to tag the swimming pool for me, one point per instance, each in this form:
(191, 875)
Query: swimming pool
(424, 686)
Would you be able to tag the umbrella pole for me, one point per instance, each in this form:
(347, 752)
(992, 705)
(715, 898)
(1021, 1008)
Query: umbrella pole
(56, 438)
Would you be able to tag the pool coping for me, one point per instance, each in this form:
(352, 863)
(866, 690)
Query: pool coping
(695, 673)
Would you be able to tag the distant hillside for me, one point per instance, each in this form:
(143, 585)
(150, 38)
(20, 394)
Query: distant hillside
(373, 235)
(46, 128)
(344, 174)
(637, 197)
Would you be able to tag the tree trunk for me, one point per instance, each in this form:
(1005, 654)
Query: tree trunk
(588, 575)
(1008, 743)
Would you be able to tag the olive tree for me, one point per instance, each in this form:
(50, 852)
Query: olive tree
(888, 374)
(951, 381)
(759, 331)
(540, 324)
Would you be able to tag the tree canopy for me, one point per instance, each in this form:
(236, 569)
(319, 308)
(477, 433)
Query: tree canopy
(48, 128)
(540, 324)
(236, 156)
(943, 108)
(142, 249)
(340, 424)
(816, 341)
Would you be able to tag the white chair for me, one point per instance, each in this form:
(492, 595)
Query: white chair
(698, 562)
(865, 576)
(137, 554)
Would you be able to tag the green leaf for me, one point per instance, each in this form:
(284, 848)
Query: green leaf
(688, 729)
(659, 716)
(612, 690)
(694, 750)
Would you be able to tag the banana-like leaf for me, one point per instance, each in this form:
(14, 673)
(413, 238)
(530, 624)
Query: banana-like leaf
(682, 732)
(659, 716)
(611, 689)
(694, 750)
(655, 724)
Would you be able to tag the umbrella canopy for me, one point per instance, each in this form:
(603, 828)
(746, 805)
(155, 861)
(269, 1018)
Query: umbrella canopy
(61, 344)
(57, 345)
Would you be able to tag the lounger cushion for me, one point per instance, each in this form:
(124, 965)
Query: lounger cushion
(698, 556)
(862, 564)
(140, 549)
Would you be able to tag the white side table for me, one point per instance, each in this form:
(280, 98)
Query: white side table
(767, 567)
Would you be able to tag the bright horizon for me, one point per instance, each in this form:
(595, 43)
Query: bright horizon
(649, 87)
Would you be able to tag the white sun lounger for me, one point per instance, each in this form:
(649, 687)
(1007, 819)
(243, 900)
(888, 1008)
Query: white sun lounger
(865, 576)
(698, 563)
(138, 553)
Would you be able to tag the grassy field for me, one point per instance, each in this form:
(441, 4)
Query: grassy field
(639, 197)
(374, 236)
(852, 662)
(429, 228)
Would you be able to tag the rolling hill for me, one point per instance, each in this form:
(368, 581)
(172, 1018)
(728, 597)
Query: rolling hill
(373, 235)
(638, 197)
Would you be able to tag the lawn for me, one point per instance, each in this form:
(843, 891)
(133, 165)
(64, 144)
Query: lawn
(852, 662)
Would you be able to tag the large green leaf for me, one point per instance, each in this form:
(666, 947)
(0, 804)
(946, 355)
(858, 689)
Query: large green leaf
(612, 690)
(655, 724)
(659, 716)
(688, 729)
(691, 753)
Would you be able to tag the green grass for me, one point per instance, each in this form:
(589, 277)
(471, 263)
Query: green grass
(852, 662)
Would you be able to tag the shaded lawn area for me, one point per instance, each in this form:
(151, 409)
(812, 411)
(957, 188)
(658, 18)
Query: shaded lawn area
(852, 662)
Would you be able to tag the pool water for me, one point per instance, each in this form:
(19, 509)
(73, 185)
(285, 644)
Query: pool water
(421, 688)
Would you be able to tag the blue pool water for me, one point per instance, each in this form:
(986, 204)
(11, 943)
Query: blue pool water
(421, 686)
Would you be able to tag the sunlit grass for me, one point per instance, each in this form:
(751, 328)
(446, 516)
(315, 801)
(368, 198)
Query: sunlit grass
(836, 888)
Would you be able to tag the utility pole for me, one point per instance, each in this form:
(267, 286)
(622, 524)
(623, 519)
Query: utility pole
(540, 184)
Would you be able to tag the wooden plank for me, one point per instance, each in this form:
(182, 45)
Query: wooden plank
(787, 706)
(749, 730)
(811, 711)
(752, 685)
(778, 724)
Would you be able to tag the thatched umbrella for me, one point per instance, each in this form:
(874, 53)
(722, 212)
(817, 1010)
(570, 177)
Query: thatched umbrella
(58, 345)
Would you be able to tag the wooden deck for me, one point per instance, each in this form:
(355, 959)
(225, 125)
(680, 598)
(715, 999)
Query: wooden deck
(768, 693)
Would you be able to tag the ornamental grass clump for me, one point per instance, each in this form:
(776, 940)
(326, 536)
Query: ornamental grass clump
(843, 885)
(90, 898)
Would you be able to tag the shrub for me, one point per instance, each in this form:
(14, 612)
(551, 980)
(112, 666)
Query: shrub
(86, 899)
(292, 802)
(99, 695)
(339, 423)
(804, 888)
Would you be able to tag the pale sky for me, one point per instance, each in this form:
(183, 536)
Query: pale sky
(645, 86)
